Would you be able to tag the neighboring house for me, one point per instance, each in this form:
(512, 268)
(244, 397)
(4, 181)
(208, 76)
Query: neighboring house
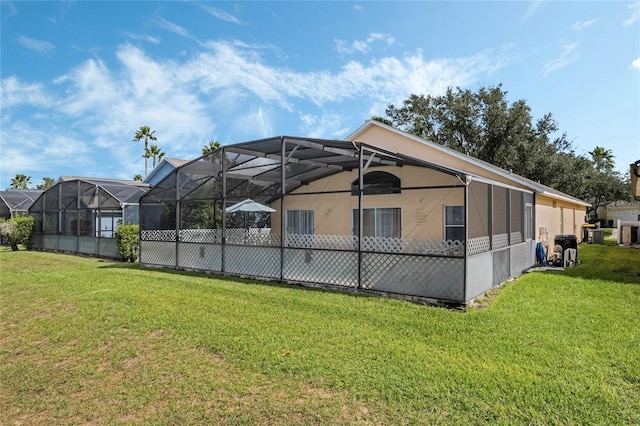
(622, 210)
(164, 167)
(15, 202)
(81, 215)
(383, 212)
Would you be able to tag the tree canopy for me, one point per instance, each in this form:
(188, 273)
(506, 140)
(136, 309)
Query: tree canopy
(145, 133)
(47, 183)
(155, 154)
(485, 125)
(212, 146)
(21, 181)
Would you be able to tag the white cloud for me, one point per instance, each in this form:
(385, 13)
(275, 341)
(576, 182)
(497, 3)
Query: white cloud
(222, 15)
(567, 56)
(14, 92)
(183, 100)
(363, 46)
(176, 29)
(39, 46)
(636, 64)
(581, 25)
(143, 37)
(38, 146)
(254, 124)
(635, 14)
(328, 124)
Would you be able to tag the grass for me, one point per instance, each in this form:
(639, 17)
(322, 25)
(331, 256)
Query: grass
(94, 342)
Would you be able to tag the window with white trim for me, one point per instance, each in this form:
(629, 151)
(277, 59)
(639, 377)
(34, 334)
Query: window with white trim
(454, 223)
(379, 222)
(300, 222)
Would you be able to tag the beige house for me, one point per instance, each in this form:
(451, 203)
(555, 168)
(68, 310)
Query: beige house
(558, 213)
(383, 212)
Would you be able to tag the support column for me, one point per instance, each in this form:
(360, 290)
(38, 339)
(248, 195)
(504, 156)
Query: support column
(224, 209)
(178, 218)
(283, 215)
(360, 215)
(465, 273)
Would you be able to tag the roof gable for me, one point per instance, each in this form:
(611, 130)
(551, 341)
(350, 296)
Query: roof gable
(379, 134)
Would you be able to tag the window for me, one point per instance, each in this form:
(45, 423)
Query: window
(379, 222)
(300, 222)
(529, 222)
(108, 221)
(377, 183)
(454, 223)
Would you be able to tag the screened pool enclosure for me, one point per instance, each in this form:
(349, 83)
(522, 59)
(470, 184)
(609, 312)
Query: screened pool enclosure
(82, 215)
(340, 215)
(16, 202)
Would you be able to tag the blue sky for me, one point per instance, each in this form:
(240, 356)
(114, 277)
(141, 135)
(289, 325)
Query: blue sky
(79, 78)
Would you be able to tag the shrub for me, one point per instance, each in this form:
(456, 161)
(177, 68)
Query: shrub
(18, 230)
(128, 242)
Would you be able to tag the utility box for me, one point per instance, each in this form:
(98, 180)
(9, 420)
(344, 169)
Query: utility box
(597, 236)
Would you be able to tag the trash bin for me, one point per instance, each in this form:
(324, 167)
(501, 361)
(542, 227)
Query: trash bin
(567, 242)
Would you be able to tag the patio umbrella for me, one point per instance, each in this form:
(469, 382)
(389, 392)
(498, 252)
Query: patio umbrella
(249, 205)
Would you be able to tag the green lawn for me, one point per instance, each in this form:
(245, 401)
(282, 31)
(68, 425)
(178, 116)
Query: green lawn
(86, 341)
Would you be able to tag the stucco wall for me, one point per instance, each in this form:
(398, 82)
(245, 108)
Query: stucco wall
(422, 209)
(395, 142)
(558, 217)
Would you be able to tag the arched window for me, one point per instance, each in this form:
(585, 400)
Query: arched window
(377, 183)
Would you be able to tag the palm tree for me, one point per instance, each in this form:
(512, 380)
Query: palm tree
(602, 158)
(208, 149)
(154, 153)
(144, 132)
(20, 181)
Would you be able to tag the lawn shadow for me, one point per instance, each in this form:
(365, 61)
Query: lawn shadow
(275, 282)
